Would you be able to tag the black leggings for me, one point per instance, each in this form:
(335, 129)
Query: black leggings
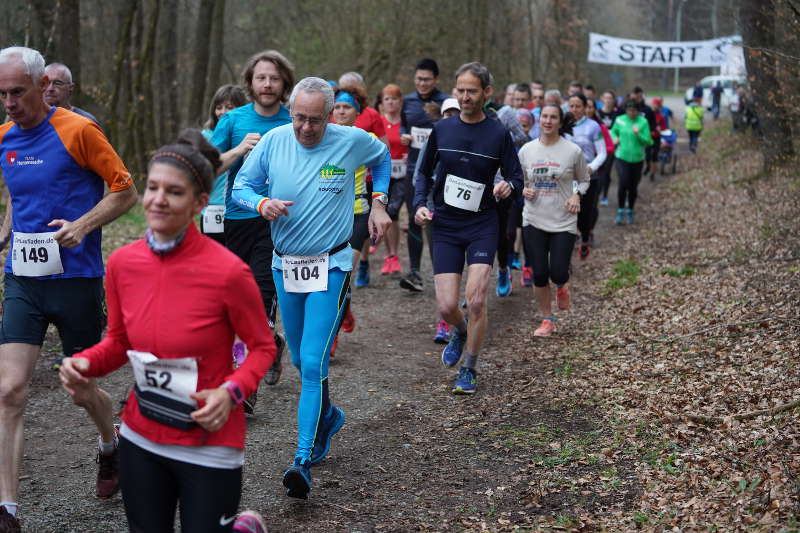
(506, 230)
(550, 254)
(629, 176)
(587, 216)
(604, 175)
(414, 231)
(153, 485)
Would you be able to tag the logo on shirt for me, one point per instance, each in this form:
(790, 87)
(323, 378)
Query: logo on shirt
(330, 171)
(11, 157)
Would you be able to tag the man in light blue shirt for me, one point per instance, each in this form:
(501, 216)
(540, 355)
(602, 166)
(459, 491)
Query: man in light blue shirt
(308, 169)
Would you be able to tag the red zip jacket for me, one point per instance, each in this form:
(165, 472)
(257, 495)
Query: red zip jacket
(186, 303)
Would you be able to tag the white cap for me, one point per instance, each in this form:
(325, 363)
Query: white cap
(450, 103)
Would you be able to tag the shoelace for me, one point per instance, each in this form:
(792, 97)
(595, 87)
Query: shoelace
(106, 462)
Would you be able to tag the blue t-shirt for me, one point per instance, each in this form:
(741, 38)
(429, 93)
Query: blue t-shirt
(319, 180)
(474, 152)
(217, 196)
(231, 129)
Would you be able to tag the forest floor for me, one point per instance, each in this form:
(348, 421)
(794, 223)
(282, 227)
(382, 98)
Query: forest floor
(656, 406)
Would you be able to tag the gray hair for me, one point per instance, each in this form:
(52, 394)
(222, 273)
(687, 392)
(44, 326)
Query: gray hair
(479, 71)
(31, 60)
(314, 85)
(351, 77)
(552, 92)
(63, 67)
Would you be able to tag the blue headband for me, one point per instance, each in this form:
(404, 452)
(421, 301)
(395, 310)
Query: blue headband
(349, 99)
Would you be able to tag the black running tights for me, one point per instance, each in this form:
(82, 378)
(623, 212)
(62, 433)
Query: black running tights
(549, 254)
(629, 176)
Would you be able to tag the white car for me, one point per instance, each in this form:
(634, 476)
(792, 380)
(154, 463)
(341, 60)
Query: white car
(727, 89)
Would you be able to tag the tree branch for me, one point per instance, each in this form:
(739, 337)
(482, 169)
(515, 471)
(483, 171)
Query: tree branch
(716, 420)
(719, 326)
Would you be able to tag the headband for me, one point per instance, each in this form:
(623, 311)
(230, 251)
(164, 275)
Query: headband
(347, 98)
(185, 162)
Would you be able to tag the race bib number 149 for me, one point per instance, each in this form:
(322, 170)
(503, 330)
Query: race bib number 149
(35, 254)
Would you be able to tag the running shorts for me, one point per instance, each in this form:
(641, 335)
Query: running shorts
(456, 240)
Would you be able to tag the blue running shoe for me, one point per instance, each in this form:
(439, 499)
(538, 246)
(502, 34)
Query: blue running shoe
(513, 261)
(362, 276)
(331, 423)
(620, 218)
(466, 382)
(629, 214)
(604, 202)
(503, 283)
(452, 352)
(442, 333)
(297, 479)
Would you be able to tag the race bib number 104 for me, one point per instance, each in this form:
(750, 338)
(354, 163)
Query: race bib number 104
(305, 273)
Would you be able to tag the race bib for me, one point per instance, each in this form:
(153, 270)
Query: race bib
(398, 168)
(36, 254)
(214, 219)
(419, 136)
(305, 273)
(163, 387)
(462, 193)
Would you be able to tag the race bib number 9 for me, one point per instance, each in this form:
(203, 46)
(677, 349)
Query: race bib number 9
(171, 378)
(35, 254)
(398, 168)
(305, 273)
(214, 219)
(419, 136)
(462, 193)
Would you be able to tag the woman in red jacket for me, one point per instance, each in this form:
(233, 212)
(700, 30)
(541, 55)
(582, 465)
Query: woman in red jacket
(175, 301)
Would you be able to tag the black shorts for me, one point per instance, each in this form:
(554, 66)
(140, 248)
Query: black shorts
(455, 240)
(74, 305)
(360, 231)
(397, 196)
(251, 240)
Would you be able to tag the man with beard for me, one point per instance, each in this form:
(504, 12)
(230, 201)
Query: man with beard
(268, 78)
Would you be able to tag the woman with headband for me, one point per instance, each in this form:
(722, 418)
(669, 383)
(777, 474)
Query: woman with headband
(175, 301)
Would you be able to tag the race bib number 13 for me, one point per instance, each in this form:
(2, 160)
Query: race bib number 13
(35, 254)
(419, 136)
(305, 273)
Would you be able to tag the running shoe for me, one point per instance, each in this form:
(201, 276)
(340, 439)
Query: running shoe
(629, 214)
(466, 382)
(503, 283)
(249, 522)
(249, 403)
(412, 282)
(619, 219)
(452, 352)
(333, 346)
(546, 329)
(297, 479)
(108, 472)
(349, 321)
(372, 249)
(362, 277)
(8, 522)
(387, 265)
(396, 269)
(273, 375)
(442, 333)
(562, 298)
(513, 261)
(584, 250)
(604, 202)
(332, 423)
(527, 276)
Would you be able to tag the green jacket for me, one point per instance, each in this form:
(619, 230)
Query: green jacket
(694, 117)
(631, 146)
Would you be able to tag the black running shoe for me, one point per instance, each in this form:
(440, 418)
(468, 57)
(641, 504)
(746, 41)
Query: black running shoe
(412, 282)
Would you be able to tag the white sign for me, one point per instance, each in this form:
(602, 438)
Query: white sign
(35, 254)
(305, 273)
(673, 54)
(462, 193)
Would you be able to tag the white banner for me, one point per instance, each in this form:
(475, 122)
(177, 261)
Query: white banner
(673, 54)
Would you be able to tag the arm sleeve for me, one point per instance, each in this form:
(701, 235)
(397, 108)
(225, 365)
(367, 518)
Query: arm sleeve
(381, 174)
(97, 154)
(600, 150)
(582, 173)
(254, 173)
(423, 172)
(111, 352)
(246, 313)
(510, 167)
(614, 131)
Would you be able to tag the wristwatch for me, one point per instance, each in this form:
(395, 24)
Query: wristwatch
(235, 392)
(382, 197)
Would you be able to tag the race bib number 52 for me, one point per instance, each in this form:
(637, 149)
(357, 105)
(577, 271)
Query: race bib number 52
(305, 273)
(35, 254)
(171, 378)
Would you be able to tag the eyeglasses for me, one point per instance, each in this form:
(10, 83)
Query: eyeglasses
(314, 122)
(58, 83)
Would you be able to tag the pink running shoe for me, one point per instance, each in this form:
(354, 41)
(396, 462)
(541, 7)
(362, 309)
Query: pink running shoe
(546, 329)
(562, 298)
(250, 522)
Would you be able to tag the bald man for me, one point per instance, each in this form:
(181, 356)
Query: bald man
(59, 89)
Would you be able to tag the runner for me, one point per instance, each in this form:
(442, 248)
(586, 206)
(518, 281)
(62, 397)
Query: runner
(391, 104)
(607, 114)
(175, 301)
(637, 95)
(59, 90)
(556, 176)
(586, 133)
(55, 164)
(310, 169)
(267, 78)
(694, 122)
(631, 134)
(604, 173)
(465, 154)
(417, 126)
(212, 218)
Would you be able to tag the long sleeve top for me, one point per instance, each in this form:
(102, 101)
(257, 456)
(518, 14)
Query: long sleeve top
(631, 145)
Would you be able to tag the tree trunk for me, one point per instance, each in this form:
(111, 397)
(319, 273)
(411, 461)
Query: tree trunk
(215, 54)
(169, 104)
(201, 56)
(120, 57)
(758, 33)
